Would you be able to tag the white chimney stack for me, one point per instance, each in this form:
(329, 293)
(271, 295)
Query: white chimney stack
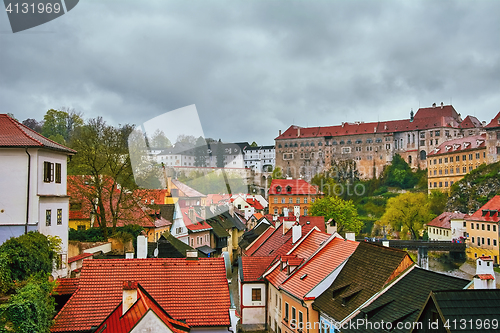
(142, 246)
(350, 236)
(129, 295)
(485, 276)
(296, 233)
(129, 255)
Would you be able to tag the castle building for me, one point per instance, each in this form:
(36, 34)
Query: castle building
(303, 152)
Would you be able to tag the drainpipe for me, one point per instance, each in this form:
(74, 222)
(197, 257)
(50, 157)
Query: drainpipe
(28, 195)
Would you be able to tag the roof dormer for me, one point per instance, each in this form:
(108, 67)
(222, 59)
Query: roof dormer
(466, 144)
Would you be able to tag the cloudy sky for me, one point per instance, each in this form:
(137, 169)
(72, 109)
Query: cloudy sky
(257, 66)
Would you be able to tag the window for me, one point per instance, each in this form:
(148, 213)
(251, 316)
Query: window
(48, 172)
(58, 173)
(297, 200)
(438, 133)
(294, 315)
(494, 242)
(470, 157)
(477, 156)
(482, 226)
(59, 217)
(305, 211)
(477, 226)
(286, 311)
(472, 239)
(305, 200)
(282, 200)
(81, 227)
(301, 319)
(488, 227)
(446, 160)
(275, 200)
(440, 161)
(464, 157)
(290, 200)
(488, 241)
(494, 228)
(256, 294)
(48, 217)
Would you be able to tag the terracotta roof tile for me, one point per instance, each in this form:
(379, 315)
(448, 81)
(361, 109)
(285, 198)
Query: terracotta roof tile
(495, 122)
(15, 134)
(489, 212)
(252, 268)
(79, 257)
(295, 186)
(485, 276)
(66, 286)
(259, 241)
(444, 220)
(192, 290)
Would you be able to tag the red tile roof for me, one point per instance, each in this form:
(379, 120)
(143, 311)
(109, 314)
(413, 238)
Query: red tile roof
(252, 268)
(259, 241)
(118, 323)
(65, 286)
(444, 220)
(15, 134)
(487, 258)
(471, 122)
(464, 144)
(425, 118)
(296, 186)
(485, 276)
(489, 212)
(192, 290)
(79, 257)
(318, 267)
(495, 122)
(255, 204)
(186, 191)
(200, 225)
(155, 195)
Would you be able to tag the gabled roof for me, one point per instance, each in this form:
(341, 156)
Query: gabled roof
(471, 306)
(444, 220)
(495, 122)
(186, 191)
(318, 266)
(366, 272)
(255, 204)
(193, 290)
(13, 134)
(65, 286)
(489, 212)
(259, 241)
(170, 247)
(199, 225)
(464, 144)
(79, 257)
(292, 187)
(117, 322)
(252, 268)
(471, 122)
(404, 299)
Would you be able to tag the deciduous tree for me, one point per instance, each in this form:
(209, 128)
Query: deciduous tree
(407, 213)
(343, 212)
(58, 125)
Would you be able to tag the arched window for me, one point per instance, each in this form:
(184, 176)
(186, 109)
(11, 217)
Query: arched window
(409, 159)
(423, 155)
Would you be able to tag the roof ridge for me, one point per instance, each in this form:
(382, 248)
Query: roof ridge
(17, 123)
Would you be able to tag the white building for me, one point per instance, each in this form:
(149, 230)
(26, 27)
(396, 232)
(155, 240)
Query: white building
(260, 159)
(448, 227)
(33, 185)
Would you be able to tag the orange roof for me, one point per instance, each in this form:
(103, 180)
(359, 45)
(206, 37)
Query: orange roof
(319, 266)
(488, 212)
(258, 216)
(485, 276)
(200, 225)
(192, 290)
(259, 241)
(14, 134)
(79, 257)
(292, 187)
(495, 122)
(65, 286)
(252, 268)
(255, 204)
(117, 322)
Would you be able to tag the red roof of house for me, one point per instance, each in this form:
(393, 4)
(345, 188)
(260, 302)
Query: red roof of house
(79, 257)
(444, 220)
(192, 290)
(495, 122)
(117, 322)
(425, 118)
(259, 241)
(14, 134)
(217, 198)
(485, 276)
(152, 196)
(486, 258)
(65, 286)
(464, 144)
(489, 212)
(200, 225)
(252, 268)
(470, 122)
(258, 216)
(318, 267)
(255, 204)
(292, 187)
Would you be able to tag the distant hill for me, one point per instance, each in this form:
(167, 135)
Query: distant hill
(475, 189)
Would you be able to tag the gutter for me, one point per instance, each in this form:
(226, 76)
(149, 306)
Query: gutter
(28, 192)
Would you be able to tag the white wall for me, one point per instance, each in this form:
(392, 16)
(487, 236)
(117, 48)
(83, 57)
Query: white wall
(253, 316)
(151, 323)
(247, 294)
(274, 308)
(434, 234)
(457, 229)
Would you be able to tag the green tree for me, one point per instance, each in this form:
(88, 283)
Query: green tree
(399, 174)
(23, 256)
(253, 144)
(341, 211)
(407, 213)
(59, 125)
(437, 202)
(189, 139)
(200, 153)
(104, 159)
(159, 140)
(31, 309)
(219, 154)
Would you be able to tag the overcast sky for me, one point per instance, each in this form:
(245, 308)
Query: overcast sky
(257, 66)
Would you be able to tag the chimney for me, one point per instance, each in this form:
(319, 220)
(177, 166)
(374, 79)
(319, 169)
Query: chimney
(442, 105)
(129, 295)
(280, 133)
(298, 131)
(129, 255)
(296, 232)
(485, 276)
(423, 259)
(191, 215)
(192, 254)
(385, 243)
(287, 225)
(142, 246)
(433, 105)
(350, 236)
